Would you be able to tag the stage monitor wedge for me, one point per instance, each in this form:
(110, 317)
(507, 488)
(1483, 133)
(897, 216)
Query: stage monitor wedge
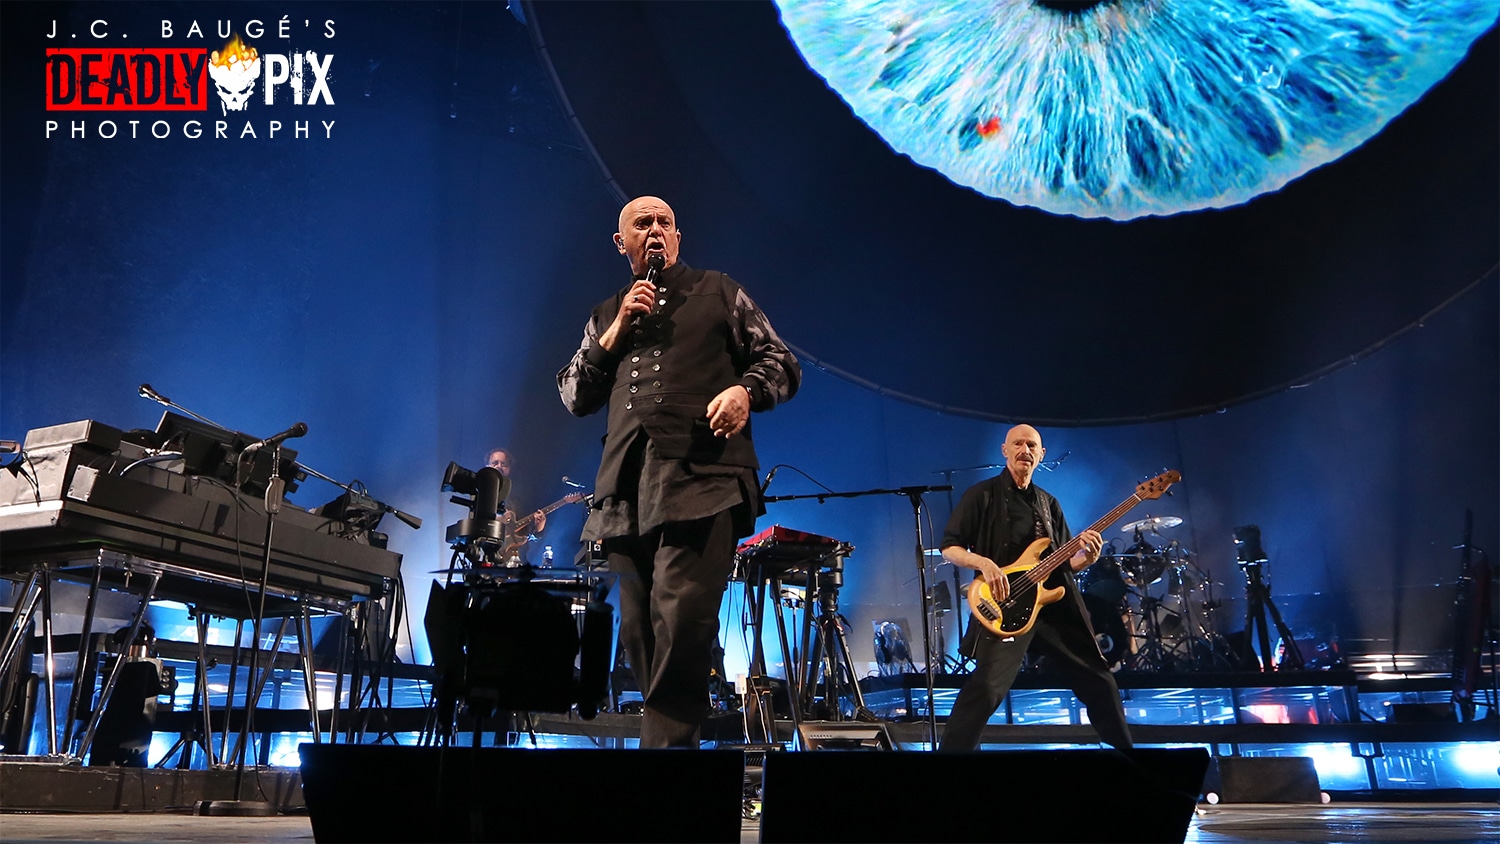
(845, 735)
(1011, 795)
(1263, 779)
(370, 793)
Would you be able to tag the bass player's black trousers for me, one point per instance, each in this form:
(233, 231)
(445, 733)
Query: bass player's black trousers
(1063, 635)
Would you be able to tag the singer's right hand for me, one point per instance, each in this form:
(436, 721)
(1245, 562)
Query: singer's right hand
(637, 303)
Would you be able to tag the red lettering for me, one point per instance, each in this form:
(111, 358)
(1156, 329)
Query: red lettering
(147, 79)
(100, 79)
(118, 86)
(87, 96)
(62, 71)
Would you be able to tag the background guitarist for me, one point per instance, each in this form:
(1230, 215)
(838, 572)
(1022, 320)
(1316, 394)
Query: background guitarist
(500, 458)
(993, 524)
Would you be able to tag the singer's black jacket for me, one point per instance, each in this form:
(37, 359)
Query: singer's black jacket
(661, 461)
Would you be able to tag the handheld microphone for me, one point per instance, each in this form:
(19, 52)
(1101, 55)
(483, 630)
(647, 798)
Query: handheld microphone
(148, 393)
(296, 430)
(654, 265)
(570, 483)
(769, 476)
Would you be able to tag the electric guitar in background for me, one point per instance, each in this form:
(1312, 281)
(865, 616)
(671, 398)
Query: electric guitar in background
(520, 529)
(1016, 614)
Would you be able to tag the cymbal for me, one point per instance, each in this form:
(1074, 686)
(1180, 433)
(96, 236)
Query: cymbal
(1153, 523)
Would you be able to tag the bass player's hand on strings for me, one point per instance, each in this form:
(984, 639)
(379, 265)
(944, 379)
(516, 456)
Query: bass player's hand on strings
(999, 584)
(988, 571)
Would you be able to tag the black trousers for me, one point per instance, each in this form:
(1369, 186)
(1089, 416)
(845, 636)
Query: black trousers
(672, 581)
(1064, 637)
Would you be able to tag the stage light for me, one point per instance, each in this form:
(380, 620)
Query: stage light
(1478, 759)
(1336, 764)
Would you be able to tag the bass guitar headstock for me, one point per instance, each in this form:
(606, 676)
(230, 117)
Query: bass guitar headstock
(1157, 486)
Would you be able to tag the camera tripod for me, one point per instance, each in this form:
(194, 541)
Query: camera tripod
(830, 668)
(1258, 601)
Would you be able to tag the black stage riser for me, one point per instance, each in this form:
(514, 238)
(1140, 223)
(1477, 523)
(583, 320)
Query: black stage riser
(391, 793)
(45, 786)
(1016, 795)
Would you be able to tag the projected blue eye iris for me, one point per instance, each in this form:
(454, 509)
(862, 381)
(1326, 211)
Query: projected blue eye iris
(1129, 108)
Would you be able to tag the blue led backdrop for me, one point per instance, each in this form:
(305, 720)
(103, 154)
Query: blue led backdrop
(1108, 109)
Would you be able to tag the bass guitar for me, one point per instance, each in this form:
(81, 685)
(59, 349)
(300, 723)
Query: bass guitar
(1016, 614)
(520, 529)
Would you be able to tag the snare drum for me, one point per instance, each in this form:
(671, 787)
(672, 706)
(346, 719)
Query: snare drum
(1141, 570)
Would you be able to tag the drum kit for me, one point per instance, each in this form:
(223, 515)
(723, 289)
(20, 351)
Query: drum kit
(1151, 606)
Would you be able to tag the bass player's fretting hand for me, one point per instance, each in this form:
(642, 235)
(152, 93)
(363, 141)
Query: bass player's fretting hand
(534, 523)
(1093, 545)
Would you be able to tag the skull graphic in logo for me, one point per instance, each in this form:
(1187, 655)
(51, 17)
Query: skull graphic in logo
(234, 71)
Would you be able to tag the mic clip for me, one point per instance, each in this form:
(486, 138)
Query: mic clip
(771, 475)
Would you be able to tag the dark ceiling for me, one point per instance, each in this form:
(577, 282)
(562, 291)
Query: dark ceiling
(891, 275)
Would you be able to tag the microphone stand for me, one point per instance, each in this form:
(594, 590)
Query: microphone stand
(147, 393)
(914, 495)
(239, 806)
(275, 491)
(959, 625)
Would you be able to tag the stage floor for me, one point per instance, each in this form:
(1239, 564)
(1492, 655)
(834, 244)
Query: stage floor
(1470, 823)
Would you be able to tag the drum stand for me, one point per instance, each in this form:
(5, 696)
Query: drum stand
(1214, 653)
(950, 664)
(942, 605)
(1154, 656)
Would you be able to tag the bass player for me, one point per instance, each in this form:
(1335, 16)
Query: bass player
(994, 523)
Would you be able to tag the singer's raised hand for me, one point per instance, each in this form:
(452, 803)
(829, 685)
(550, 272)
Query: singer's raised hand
(637, 303)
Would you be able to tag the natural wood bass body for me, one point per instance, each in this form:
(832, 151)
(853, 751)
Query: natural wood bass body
(1013, 618)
